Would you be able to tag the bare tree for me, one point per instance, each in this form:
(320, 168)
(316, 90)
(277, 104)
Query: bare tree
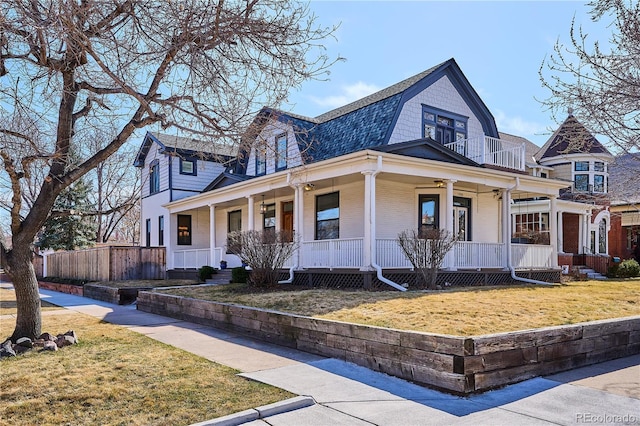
(264, 251)
(72, 68)
(426, 250)
(600, 84)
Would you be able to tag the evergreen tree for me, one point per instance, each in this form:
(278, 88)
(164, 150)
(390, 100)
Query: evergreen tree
(68, 227)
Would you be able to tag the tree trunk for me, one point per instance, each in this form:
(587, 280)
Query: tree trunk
(23, 276)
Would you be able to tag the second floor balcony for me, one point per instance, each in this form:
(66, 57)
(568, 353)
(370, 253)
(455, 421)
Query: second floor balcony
(492, 151)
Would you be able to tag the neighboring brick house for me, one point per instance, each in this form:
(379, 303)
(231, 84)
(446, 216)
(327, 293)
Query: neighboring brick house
(625, 205)
(423, 153)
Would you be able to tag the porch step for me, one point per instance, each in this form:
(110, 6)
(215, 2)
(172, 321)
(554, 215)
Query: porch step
(592, 274)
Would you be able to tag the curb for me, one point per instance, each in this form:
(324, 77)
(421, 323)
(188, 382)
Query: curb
(260, 412)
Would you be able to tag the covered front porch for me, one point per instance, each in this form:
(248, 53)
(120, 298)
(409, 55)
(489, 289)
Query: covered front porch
(346, 214)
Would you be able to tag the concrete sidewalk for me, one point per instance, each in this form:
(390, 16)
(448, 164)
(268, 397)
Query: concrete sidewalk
(346, 394)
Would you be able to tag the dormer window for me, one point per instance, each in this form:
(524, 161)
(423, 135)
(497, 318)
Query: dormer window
(261, 162)
(188, 167)
(590, 176)
(281, 152)
(443, 126)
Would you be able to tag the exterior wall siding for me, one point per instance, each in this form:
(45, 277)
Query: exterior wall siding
(207, 171)
(151, 208)
(268, 135)
(562, 172)
(442, 94)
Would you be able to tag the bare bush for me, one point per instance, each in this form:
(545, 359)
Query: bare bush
(264, 251)
(426, 250)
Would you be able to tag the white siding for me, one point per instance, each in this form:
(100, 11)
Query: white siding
(267, 139)
(442, 94)
(163, 167)
(396, 208)
(151, 208)
(207, 171)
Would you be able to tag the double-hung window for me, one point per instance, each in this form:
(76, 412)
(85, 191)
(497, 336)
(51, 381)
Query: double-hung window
(184, 230)
(234, 224)
(269, 218)
(261, 161)
(161, 230)
(281, 152)
(328, 216)
(154, 177)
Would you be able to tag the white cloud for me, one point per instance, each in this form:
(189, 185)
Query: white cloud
(519, 126)
(349, 93)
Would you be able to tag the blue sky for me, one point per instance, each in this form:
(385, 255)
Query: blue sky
(499, 46)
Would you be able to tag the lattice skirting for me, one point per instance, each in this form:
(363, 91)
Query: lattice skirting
(353, 279)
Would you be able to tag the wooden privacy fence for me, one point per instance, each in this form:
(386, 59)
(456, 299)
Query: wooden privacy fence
(108, 264)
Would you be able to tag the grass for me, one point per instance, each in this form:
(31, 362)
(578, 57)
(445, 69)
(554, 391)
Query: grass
(117, 377)
(463, 312)
(8, 304)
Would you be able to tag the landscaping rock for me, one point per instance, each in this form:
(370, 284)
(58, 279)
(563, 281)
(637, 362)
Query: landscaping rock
(6, 349)
(21, 349)
(47, 337)
(25, 342)
(50, 346)
(64, 340)
(73, 335)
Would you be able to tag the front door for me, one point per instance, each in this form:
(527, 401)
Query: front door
(287, 219)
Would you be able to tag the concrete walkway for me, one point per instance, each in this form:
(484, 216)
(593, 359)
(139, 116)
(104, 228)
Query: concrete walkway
(346, 394)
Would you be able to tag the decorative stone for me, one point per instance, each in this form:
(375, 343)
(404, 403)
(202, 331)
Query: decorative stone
(50, 346)
(38, 343)
(72, 334)
(6, 349)
(64, 340)
(24, 342)
(47, 337)
(21, 349)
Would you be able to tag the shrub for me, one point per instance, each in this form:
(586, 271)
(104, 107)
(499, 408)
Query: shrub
(628, 268)
(205, 272)
(239, 275)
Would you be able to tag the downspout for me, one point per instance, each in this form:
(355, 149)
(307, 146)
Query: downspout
(297, 221)
(507, 199)
(372, 201)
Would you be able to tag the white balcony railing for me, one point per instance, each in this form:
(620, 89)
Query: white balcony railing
(493, 151)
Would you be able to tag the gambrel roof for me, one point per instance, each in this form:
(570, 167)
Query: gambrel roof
(368, 122)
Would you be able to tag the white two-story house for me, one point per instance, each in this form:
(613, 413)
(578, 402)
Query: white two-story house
(424, 152)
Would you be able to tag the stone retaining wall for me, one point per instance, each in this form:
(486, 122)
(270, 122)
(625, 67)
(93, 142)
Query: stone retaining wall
(460, 365)
(62, 288)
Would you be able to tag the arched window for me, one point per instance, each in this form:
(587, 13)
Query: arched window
(602, 237)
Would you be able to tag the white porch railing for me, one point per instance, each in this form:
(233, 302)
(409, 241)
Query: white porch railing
(348, 253)
(524, 256)
(196, 258)
(390, 255)
(488, 150)
(342, 253)
(472, 255)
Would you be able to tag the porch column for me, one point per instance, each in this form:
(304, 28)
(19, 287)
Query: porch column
(168, 243)
(251, 224)
(449, 260)
(506, 227)
(560, 233)
(369, 183)
(212, 235)
(586, 220)
(298, 205)
(553, 230)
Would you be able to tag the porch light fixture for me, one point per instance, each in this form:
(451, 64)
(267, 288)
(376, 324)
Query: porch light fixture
(309, 187)
(263, 206)
(439, 183)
